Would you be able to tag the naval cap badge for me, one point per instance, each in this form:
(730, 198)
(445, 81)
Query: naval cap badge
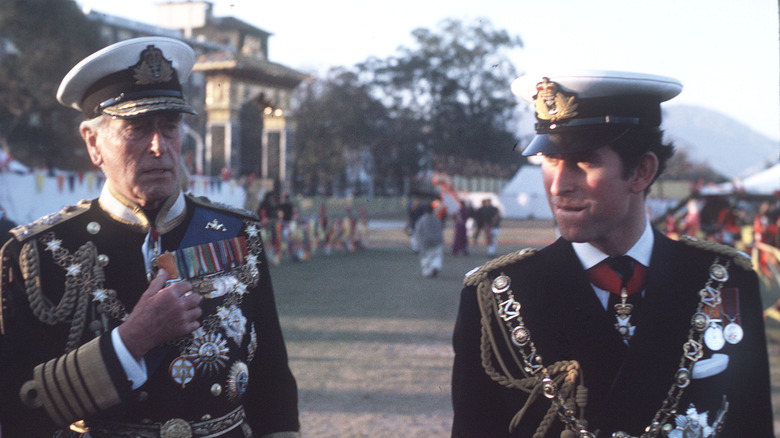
(552, 104)
(152, 67)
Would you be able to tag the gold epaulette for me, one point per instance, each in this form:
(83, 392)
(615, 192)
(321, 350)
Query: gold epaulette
(474, 276)
(44, 223)
(205, 202)
(739, 258)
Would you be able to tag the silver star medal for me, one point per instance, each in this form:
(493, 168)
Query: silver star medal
(223, 285)
(238, 380)
(252, 230)
(209, 353)
(694, 424)
(233, 322)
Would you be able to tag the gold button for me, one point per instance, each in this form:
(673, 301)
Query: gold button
(216, 389)
(79, 427)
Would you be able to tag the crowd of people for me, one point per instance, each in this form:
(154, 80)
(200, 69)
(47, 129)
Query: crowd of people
(736, 223)
(290, 236)
(752, 227)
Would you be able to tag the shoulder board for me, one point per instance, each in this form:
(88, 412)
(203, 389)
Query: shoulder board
(204, 202)
(474, 276)
(740, 259)
(44, 223)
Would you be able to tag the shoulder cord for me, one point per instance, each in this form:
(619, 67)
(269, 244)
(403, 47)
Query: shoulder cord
(739, 258)
(562, 374)
(80, 280)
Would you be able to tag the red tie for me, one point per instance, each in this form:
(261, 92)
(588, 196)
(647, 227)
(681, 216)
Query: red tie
(615, 272)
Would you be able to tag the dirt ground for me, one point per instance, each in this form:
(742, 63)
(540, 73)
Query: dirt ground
(369, 338)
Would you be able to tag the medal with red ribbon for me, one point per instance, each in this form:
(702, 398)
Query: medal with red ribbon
(732, 332)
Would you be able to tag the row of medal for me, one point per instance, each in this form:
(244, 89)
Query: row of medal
(205, 351)
(726, 304)
(716, 336)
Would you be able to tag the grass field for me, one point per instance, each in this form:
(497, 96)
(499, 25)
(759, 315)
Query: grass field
(370, 339)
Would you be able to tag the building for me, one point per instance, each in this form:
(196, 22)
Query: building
(242, 98)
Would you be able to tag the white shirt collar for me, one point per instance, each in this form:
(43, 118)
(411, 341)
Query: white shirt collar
(125, 211)
(642, 250)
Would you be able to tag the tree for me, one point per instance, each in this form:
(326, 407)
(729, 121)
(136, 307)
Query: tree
(50, 36)
(342, 130)
(455, 84)
(448, 96)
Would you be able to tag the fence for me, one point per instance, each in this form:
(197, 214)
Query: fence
(26, 197)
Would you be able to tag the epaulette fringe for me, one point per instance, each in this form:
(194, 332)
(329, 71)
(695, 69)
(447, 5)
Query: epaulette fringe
(44, 223)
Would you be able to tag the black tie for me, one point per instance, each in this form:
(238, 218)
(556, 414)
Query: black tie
(623, 266)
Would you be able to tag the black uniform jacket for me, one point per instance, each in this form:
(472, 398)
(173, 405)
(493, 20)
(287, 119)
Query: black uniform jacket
(58, 364)
(626, 384)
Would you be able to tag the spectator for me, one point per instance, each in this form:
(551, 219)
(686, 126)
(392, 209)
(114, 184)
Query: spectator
(460, 243)
(429, 236)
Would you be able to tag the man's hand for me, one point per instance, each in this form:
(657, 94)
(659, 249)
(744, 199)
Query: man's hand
(161, 314)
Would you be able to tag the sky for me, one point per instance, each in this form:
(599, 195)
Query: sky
(725, 52)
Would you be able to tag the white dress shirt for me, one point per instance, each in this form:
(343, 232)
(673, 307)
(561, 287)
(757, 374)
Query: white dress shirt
(590, 256)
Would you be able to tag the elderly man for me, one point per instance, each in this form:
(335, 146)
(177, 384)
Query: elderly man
(145, 312)
(614, 329)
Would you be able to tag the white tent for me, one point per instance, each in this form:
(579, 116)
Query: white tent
(763, 183)
(523, 197)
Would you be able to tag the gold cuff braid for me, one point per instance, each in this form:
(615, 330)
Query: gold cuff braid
(72, 386)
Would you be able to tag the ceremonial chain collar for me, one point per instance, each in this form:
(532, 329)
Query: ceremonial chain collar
(507, 308)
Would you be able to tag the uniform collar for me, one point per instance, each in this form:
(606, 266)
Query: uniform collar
(126, 212)
(590, 256)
